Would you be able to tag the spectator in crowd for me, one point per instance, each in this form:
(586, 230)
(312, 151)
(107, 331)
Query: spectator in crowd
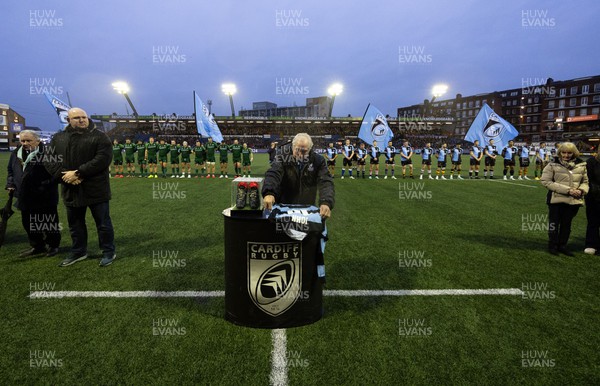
(592, 208)
(81, 159)
(567, 182)
(36, 193)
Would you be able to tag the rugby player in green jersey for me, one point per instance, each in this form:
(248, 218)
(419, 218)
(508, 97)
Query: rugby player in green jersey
(199, 158)
(223, 151)
(174, 152)
(236, 155)
(118, 158)
(163, 151)
(130, 150)
(151, 150)
(186, 152)
(247, 158)
(210, 157)
(141, 156)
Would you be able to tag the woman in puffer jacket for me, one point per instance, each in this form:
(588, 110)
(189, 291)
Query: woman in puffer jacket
(567, 183)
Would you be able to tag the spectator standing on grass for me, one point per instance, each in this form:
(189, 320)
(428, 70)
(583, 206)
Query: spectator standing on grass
(566, 179)
(36, 194)
(272, 150)
(592, 209)
(80, 158)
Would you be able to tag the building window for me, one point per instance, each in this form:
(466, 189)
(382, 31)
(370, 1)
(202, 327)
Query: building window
(528, 110)
(550, 104)
(551, 115)
(561, 114)
(470, 104)
(528, 119)
(573, 90)
(596, 99)
(561, 104)
(596, 110)
(597, 87)
(514, 93)
(536, 109)
(552, 92)
(584, 101)
(573, 102)
(571, 113)
(583, 112)
(528, 101)
(536, 99)
(563, 92)
(585, 88)
(514, 102)
(477, 103)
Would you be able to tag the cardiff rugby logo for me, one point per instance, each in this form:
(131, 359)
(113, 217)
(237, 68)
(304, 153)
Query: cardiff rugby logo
(379, 128)
(274, 275)
(494, 128)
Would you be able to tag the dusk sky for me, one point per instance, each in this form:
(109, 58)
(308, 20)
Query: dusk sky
(388, 53)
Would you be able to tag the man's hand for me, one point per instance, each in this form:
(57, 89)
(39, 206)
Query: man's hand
(70, 177)
(324, 210)
(268, 201)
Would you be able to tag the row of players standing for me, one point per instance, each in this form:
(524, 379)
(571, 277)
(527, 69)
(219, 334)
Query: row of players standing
(152, 153)
(355, 158)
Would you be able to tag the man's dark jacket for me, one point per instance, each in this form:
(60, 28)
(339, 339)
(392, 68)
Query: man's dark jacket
(593, 171)
(90, 153)
(34, 187)
(290, 186)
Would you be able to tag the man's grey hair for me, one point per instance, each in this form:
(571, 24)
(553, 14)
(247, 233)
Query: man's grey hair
(305, 138)
(33, 133)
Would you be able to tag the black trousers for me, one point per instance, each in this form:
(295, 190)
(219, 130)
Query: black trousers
(592, 234)
(560, 218)
(42, 227)
(78, 228)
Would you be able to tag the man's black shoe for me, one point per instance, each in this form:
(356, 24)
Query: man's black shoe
(565, 251)
(32, 252)
(52, 252)
(553, 251)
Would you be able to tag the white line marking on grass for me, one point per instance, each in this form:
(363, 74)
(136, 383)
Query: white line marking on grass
(220, 294)
(437, 292)
(279, 365)
(125, 294)
(514, 183)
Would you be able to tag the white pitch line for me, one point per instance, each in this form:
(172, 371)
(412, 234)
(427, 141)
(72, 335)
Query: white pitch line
(125, 294)
(514, 183)
(279, 365)
(435, 292)
(219, 294)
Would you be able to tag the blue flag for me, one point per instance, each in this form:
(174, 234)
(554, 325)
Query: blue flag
(489, 125)
(205, 122)
(374, 127)
(61, 108)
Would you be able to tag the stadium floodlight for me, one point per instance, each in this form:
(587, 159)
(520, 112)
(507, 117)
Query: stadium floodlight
(438, 90)
(123, 88)
(334, 90)
(229, 89)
